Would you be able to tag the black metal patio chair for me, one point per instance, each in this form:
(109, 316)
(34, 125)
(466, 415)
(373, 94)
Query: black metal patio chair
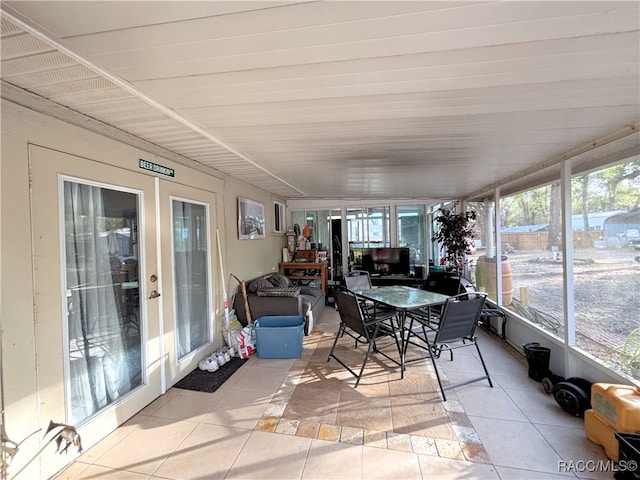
(357, 280)
(456, 329)
(366, 329)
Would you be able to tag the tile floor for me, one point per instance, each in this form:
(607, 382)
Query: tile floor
(302, 419)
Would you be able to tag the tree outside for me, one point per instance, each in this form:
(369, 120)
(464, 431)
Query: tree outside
(606, 268)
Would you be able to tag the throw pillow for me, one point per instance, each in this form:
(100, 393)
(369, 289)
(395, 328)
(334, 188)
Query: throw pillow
(279, 281)
(259, 284)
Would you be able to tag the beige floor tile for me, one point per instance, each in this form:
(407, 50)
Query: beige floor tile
(98, 450)
(328, 375)
(573, 446)
(95, 471)
(207, 452)
(507, 473)
(267, 424)
(188, 405)
(148, 446)
(418, 417)
(329, 432)
(399, 441)
(287, 427)
(357, 410)
(375, 438)
(158, 402)
(516, 444)
(416, 383)
(449, 449)
(73, 471)
(313, 404)
(239, 408)
(260, 379)
(517, 382)
(383, 464)
(424, 445)
(489, 402)
(541, 408)
(352, 435)
(268, 456)
(450, 469)
(335, 461)
(282, 364)
(308, 429)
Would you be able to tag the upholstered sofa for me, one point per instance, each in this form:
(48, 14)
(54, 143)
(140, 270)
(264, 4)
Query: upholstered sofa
(274, 294)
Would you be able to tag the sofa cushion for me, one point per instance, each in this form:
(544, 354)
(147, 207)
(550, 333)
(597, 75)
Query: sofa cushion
(307, 303)
(313, 292)
(279, 281)
(258, 284)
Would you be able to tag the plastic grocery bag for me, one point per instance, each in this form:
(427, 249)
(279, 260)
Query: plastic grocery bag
(246, 342)
(232, 330)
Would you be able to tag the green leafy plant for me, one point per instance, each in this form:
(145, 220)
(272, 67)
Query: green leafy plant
(630, 354)
(455, 233)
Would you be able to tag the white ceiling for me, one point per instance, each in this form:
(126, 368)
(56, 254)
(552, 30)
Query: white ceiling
(383, 99)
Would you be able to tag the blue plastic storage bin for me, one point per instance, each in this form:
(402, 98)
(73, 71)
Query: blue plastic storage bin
(279, 336)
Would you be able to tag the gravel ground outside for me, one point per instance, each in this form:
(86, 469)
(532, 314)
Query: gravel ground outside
(606, 286)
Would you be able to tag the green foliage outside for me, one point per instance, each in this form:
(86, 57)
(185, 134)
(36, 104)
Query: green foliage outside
(613, 188)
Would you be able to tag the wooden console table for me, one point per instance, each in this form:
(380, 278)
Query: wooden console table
(305, 271)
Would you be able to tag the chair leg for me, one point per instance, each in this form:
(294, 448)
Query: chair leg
(364, 362)
(338, 335)
(483, 364)
(435, 368)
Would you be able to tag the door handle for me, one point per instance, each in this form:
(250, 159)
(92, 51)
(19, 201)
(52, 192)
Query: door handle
(154, 294)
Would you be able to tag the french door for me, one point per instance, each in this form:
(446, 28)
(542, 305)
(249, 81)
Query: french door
(122, 287)
(187, 260)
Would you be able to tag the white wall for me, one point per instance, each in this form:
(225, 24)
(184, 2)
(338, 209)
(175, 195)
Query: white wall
(21, 127)
(564, 360)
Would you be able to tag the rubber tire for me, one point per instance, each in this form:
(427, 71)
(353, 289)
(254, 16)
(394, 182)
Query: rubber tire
(573, 395)
(547, 385)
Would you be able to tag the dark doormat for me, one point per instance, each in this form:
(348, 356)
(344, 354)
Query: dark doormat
(203, 381)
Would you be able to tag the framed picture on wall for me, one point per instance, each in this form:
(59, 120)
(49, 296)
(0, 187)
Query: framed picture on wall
(250, 219)
(278, 217)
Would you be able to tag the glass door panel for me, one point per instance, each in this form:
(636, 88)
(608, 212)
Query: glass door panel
(190, 260)
(411, 233)
(104, 350)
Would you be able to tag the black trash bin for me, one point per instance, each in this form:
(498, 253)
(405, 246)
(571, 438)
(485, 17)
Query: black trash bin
(538, 359)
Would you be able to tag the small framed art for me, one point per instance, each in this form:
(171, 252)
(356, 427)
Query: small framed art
(250, 219)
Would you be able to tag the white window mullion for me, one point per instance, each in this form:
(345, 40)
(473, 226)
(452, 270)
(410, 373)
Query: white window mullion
(567, 255)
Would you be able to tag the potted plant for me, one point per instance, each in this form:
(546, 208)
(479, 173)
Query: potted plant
(455, 233)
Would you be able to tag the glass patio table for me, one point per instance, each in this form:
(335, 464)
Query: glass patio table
(403, 299)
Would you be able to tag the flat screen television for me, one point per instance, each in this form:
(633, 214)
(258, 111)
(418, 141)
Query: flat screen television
(386, 261)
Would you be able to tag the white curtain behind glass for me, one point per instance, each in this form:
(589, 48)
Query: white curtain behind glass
(190, 276)
(97, 360)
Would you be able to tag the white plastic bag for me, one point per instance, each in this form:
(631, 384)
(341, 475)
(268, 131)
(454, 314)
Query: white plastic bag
(246, 342)
(232, 330)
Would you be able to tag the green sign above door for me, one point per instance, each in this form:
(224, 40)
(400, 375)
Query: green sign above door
(157, 168)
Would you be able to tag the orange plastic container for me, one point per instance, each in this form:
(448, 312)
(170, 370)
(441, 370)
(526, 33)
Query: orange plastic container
(617, 405)
(601, 433)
